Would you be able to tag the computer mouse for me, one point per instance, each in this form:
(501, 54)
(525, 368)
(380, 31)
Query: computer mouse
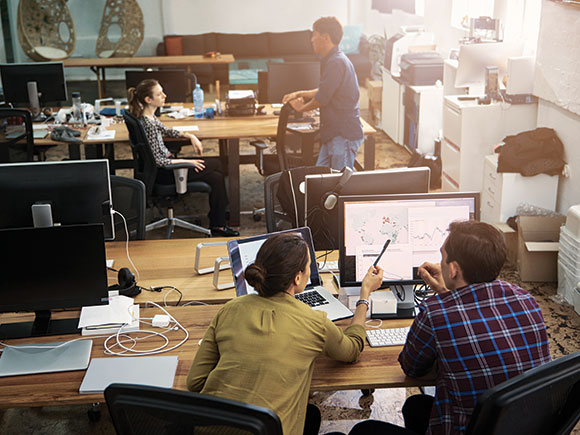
(276, 112)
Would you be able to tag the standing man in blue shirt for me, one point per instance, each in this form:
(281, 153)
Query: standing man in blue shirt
(337, 96)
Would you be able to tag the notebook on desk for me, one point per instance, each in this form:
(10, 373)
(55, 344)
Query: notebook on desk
(243, 252)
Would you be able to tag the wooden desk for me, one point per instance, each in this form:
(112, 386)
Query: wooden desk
(228, 130)
(377, 367)
(98, 65)
(171, 262)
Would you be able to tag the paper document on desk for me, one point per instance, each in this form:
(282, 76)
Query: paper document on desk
(240, 95)
(157, 371)
(100, 134)
(119, 311)
(184, 128)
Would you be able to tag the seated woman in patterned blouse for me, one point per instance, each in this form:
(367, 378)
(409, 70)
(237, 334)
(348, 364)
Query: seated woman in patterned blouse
(143, 101)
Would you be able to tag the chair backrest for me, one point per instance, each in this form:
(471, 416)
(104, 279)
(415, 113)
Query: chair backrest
(129, 199)
(139, 409)
(284, 158)
(16, 136)
(543, 400)
(144, 168)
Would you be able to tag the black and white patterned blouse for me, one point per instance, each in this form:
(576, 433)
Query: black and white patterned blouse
(155, 131)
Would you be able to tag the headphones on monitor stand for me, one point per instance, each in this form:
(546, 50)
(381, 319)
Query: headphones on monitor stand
(127, 284)
(329, 200)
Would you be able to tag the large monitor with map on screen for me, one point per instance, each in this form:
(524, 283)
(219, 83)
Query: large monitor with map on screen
(416, 224)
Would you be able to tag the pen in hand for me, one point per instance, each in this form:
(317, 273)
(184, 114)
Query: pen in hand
(382, 252)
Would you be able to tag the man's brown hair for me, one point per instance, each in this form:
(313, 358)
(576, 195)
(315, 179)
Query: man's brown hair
(330, 26)
(478, 248)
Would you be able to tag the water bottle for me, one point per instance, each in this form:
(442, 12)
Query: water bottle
(76, 109)
(198, 101)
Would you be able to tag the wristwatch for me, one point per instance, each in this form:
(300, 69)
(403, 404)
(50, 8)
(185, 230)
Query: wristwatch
(363, 301)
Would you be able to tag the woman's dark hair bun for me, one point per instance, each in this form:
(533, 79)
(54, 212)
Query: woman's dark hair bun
(255, 275)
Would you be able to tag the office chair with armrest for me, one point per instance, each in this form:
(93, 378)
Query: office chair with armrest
(140, 409)
(161, 195)
(16, 136)
(543, 400)
(129, 199)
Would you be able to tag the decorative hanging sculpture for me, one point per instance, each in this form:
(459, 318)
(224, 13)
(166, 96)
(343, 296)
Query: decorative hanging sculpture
(121, 30)
(45, 29)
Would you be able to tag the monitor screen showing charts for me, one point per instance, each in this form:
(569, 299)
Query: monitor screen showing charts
(416, 224)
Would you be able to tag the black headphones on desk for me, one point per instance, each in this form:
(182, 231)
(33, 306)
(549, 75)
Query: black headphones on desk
(127, 284)
(329, 200)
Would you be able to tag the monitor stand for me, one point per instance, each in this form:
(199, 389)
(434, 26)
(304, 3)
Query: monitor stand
(405, 297)
(41, 326)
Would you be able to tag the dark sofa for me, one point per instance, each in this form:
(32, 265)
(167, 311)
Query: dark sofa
(289, 46)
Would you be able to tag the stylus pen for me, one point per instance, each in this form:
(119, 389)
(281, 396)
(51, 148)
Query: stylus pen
(382, 252)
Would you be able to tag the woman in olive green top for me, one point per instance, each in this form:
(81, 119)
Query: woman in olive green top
(260, 349)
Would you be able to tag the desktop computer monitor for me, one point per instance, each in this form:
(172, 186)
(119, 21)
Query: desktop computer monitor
(37, 83)
(51, 268)
(416, 224)
(324, 222)
(173, 82)
(67, 193)
(286, 77)
(474, 58)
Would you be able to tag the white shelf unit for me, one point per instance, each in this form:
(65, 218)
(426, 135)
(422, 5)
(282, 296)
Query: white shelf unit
(392, 110)
(471, 131)
(423, 113)
(503, 192)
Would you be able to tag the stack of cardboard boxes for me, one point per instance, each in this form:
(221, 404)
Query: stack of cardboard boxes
(569, 259)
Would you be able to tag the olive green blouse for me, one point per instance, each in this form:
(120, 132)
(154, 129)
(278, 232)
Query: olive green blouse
(261, 351)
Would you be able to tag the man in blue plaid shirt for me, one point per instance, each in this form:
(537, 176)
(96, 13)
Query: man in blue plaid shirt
(475, 332)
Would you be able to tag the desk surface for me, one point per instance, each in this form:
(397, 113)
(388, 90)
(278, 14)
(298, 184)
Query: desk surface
(147, 61)
(377, 367)
(171, 262)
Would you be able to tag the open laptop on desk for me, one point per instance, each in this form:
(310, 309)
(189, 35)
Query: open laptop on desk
(243, 252)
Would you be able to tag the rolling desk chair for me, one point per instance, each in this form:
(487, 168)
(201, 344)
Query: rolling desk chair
(129, 199)
(137, 409)
(161, 195)
(543, 400)
(16, 136)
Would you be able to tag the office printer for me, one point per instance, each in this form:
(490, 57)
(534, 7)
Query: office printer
(422, 68)
(409, 38)
(240, 103)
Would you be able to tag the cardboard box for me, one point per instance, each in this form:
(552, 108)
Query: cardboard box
(538, 247)
(511, 241)
(375, 91)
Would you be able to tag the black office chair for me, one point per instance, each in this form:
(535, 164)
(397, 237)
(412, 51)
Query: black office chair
(544, 400)
(16, 136)
(129, 199)
(161, 195)
(139, 409)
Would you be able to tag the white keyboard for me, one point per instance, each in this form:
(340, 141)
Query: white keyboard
(387, 337)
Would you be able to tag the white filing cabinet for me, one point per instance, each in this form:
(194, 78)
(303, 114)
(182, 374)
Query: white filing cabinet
(392, 110)
(423, 107)
(503, 192)
(470, 132)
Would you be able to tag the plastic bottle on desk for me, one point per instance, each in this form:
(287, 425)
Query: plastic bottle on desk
(198, 101)
(77, 111)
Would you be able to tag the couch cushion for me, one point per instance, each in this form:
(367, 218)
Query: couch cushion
(243, 45)
(193, 44)
(285, 43)
(173, 45)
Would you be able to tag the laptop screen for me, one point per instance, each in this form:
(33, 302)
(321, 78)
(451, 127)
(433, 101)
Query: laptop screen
(243, 252)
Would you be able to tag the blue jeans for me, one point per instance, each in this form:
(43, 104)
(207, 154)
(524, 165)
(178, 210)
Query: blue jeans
(338, 153)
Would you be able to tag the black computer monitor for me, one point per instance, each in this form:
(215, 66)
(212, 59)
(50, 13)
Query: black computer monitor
(49, 81)
(172, 81)
(324, 222)
(286, 77)
(416, 224)
(78, 192)
(45, 269)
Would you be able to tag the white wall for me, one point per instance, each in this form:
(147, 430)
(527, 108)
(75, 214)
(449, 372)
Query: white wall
(558, 86)
(182, 17)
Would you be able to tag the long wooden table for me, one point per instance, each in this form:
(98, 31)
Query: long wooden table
(99, 65)
(171, 263)
(228, 130)
(377, 367)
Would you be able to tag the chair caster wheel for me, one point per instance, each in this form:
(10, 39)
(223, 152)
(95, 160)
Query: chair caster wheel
(367, 392)
(257, 217)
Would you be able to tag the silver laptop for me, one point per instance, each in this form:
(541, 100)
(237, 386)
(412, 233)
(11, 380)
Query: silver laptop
(243, 252)
(29, 359)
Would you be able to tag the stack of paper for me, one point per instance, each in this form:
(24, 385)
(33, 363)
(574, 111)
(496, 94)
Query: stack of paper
(107, 319)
